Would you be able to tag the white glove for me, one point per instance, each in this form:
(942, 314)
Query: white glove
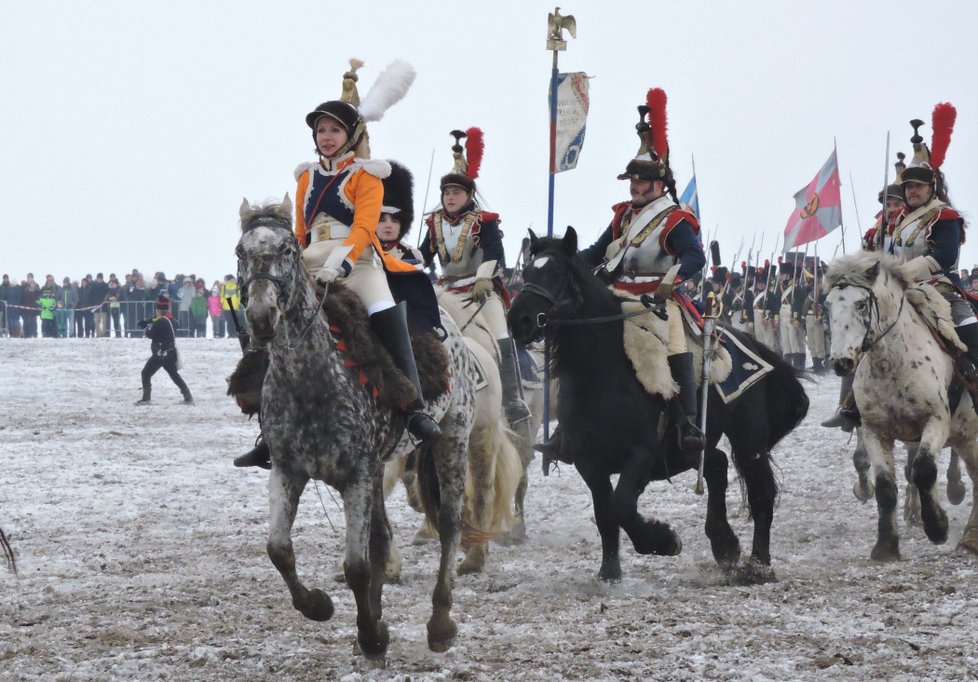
(481, 290)
(326, 274)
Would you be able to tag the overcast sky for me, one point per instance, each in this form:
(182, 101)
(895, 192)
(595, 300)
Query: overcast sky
(131, 130)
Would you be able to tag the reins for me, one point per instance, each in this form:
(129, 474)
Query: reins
(544, 320)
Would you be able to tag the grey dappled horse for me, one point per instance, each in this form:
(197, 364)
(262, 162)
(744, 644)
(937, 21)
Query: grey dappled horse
(902, 380)
(320, 422)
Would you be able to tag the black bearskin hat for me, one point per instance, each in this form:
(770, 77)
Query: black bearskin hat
(399, 197)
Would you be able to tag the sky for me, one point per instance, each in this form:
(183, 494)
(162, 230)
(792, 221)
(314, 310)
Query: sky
(131, 131)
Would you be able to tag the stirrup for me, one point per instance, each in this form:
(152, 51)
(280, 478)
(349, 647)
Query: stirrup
(517, 412)
(691, 439)
(258, 456)
(422, 426)
(844, 418)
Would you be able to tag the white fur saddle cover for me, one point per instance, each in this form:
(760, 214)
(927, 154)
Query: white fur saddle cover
(935, 311)
(646, 341)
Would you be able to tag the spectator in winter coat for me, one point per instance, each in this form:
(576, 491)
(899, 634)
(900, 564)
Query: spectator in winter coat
(68, 295)
(231, 303)
(84, 317)
(29, 297)
(198, 312)
(61, 319)
(13, 310)
(4, 298)
(99, 290)
(216, 310)
(47, 303)
(186, 298)
(113, 296)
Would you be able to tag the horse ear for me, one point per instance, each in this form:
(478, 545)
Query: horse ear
(569, 242)
(873, 272)
(245, 211)
(286, 205)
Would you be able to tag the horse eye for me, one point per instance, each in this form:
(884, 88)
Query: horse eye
(239, 253)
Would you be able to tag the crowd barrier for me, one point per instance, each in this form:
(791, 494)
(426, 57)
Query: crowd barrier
(120, 318)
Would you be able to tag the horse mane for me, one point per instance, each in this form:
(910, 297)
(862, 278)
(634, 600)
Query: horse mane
(270, 209)
(857, 270)
(590, 285)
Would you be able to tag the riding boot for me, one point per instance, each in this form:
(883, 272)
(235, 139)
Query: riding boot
(846, 417)
(509, 374)
(551, 450)
(145, 399)
(691, 440)
(392, 328)
(968, 334)
(258, 456)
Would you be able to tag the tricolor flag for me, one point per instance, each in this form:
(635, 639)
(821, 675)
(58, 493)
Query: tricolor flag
(818, 207)
(690, 198)
(571, 119)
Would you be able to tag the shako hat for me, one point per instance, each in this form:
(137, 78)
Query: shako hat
(163, 302)
(466, 161)
(353, 114)
(399, 197)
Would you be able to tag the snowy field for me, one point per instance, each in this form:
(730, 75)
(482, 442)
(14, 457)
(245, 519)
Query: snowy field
(142, 556)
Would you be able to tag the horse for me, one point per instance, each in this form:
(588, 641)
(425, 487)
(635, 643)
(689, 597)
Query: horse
(611, 423)
(321, 422)
(492, 476)
(882, 324)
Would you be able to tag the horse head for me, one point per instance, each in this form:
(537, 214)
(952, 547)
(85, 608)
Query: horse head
(269, 265)
(549, 289)
(865, 297)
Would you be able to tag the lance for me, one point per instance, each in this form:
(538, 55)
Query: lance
(556, 25)
(710, 315)
(427, 188)
(884, 219)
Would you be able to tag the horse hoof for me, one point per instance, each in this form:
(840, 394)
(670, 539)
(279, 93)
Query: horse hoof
(863, 492)
(441, 633)
(936, 529)
(751, 573)
(886, 550)
(515, 536)
(967, 548)
(474, 562)
(374, 647)
(316, 606)
(955, 492)
(610, 574)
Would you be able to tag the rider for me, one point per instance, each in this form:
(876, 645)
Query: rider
(469, 247)
(338, 206)
(928, 232)
(397, 214)
(648, 235)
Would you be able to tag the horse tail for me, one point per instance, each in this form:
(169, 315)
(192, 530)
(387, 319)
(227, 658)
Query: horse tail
(507, 474)
(8, 552)
(785, 397)
(428, 488)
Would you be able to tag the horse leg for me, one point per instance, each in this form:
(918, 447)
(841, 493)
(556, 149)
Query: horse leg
(449, 464)
(479, 488)
(863, 487)
(723, 541)
(379, 548)
(911, 497)
(887, 547)
(524, 445)
(925, 478)
(955, 487)
(600, 487)
(358, 498)
(754, 463)
(283, 494)
(648, 536)
(968, 545)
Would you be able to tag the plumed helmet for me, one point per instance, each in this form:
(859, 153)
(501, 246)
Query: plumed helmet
(163, 302)
(467, 160)
(652, 160)
(399, 197)
(925, 167)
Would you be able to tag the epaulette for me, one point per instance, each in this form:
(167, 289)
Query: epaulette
(487, 216)
(678, 215)
(948, 213)
(303, 167)
(379, 168)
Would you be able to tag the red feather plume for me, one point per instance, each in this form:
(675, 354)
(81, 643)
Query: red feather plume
(656, 101)
(474, 147)
(942, 124)
(767, 262)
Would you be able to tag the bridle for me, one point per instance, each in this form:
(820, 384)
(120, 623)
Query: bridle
(869, 343)
(284, 289)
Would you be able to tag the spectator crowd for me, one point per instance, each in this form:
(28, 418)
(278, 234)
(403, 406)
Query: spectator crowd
(94, 307)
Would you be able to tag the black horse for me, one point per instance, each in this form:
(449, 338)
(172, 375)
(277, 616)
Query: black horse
(611, 425)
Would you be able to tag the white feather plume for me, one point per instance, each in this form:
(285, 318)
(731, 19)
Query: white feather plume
(391, 85)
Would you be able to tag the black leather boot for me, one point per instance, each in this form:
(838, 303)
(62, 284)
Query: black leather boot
(969, 336)
(691, 440)
(145, 399)
(846, 417)
(509, 374)
(551, 450)
(392, 328)
(258, 456)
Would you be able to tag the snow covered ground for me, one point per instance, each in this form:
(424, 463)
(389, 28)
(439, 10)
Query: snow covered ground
(142, 556)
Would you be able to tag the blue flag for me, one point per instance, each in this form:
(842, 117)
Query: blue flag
(690, 198)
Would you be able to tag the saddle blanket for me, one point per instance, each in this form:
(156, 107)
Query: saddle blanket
(747, 368)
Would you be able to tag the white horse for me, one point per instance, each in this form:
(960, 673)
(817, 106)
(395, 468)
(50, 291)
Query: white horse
(881, 326)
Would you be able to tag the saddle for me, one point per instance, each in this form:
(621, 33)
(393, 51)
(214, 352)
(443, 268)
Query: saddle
(365, 355)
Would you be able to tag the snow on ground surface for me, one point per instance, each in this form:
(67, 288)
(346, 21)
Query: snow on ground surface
(142, 556)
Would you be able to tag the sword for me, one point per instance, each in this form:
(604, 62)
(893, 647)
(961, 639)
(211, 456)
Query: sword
(709, 323)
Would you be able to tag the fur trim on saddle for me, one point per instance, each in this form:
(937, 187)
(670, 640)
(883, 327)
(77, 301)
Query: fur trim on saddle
(934, 309)
(646, 338)
(365, 353)
(245, 383)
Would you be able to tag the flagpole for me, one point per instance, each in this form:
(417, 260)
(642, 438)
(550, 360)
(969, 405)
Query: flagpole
(852, 186)
(842, 223)
(556, 25)
(699, 218)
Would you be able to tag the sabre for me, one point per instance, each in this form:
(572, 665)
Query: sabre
(709, 323)
(881, 237)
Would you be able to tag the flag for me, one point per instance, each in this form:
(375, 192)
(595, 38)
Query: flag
(571, 119)
(818, 207)
(690, 198)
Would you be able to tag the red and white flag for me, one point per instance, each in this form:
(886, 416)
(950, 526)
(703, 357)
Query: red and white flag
(818, 207)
